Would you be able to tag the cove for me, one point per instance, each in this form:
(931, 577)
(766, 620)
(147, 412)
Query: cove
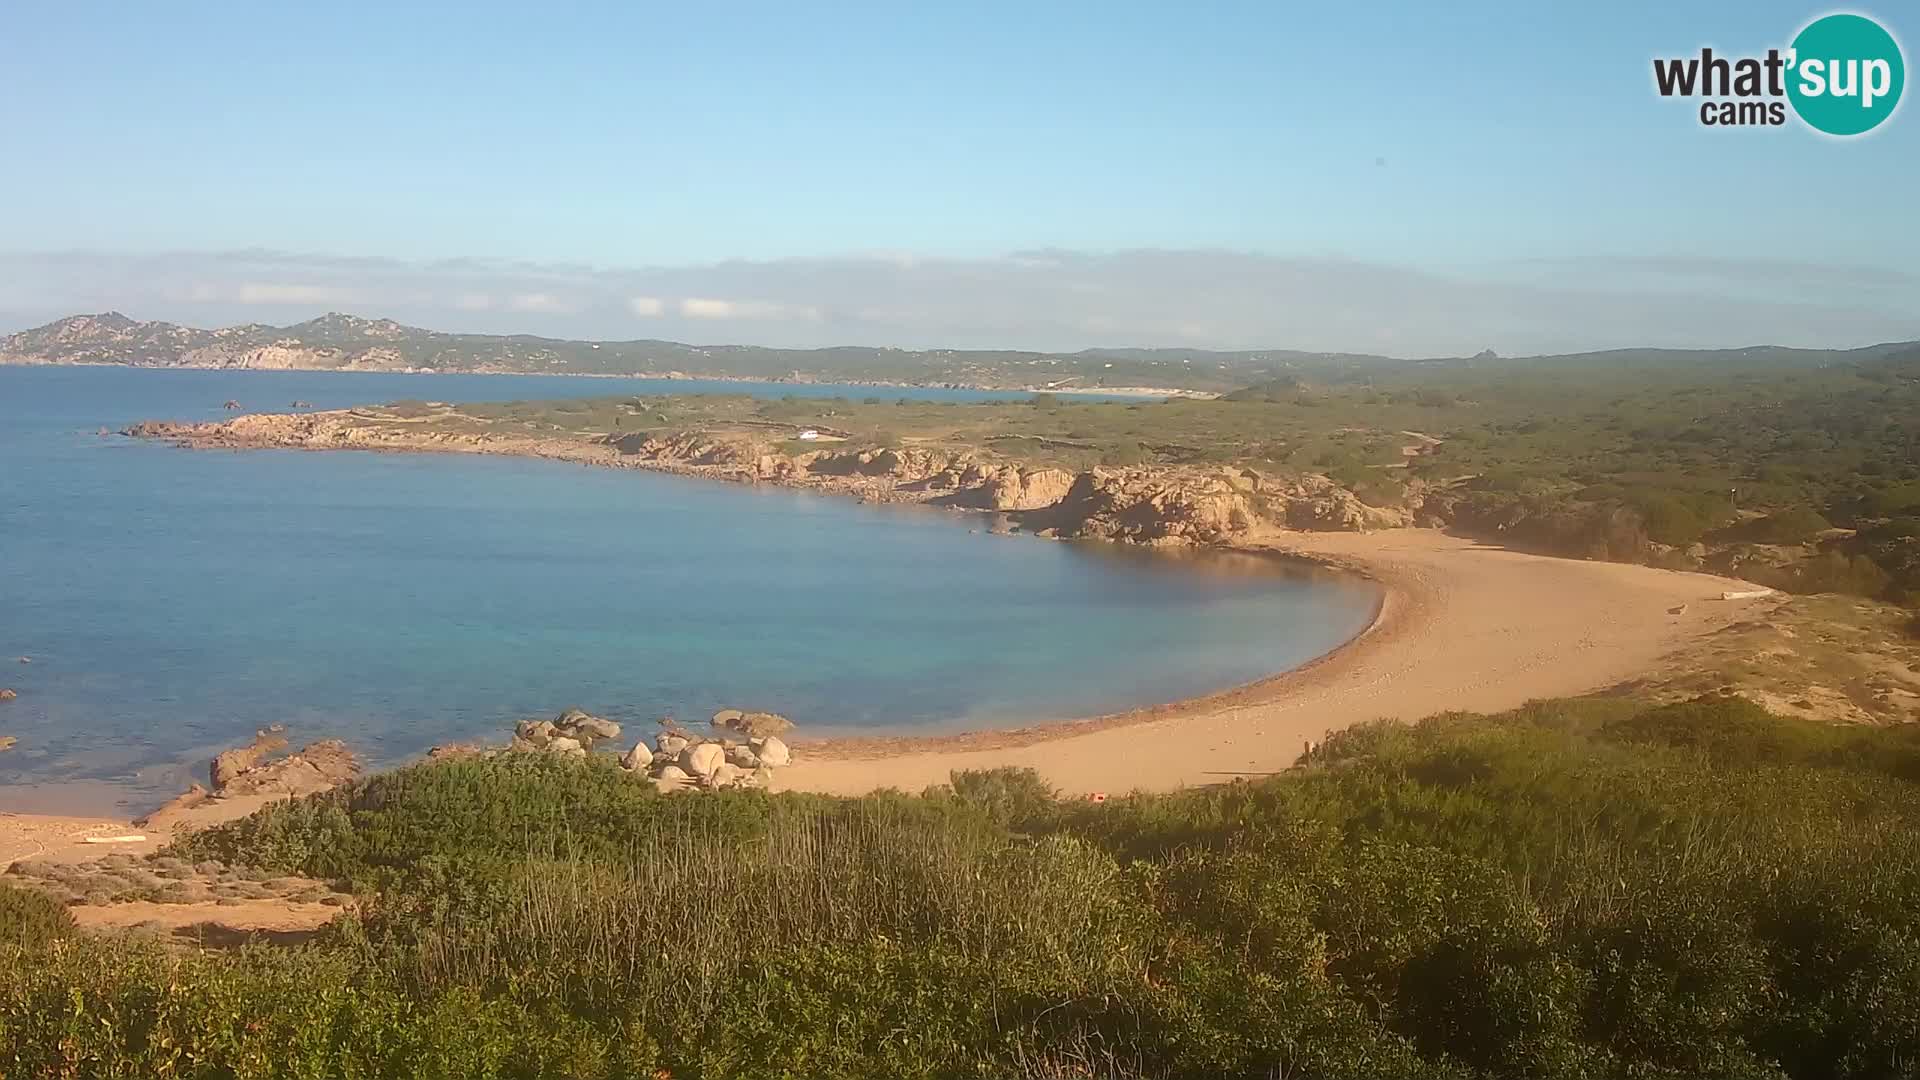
(172, 601)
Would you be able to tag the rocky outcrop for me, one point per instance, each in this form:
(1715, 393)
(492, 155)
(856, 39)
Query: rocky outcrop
(773, 753)
(1314, 503)
(700, 761)
(228, 765)
(754, 725)
(572, 732)
(1151, 506)
(317, 767)
(7, 693)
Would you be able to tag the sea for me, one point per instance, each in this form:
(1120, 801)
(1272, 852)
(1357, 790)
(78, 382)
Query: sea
(158, 604)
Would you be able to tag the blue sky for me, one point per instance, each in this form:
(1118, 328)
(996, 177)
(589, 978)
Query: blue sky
(1472, 155)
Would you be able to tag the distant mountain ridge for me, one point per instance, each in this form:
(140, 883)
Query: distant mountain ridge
(341, 342)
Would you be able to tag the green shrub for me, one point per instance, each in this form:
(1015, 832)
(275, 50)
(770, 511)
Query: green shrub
(1833, 572)
(28, 917)
(1795, 526)
(1670, 521)
(1726, 728)
(1008, 796)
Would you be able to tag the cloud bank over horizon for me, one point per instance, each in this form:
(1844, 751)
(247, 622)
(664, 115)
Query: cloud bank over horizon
(1049, 300)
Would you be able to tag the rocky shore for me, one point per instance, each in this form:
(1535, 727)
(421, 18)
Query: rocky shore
(742, 753)
(1160, 505)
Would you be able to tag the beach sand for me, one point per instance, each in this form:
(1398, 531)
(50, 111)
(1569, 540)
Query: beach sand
(1463, 625)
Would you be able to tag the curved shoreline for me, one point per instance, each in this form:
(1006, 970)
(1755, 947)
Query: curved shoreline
(1396, 666)
(1390, 610)
(1460, 627)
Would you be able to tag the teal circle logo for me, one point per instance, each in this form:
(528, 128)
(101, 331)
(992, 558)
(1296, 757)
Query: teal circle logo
(1845, 74)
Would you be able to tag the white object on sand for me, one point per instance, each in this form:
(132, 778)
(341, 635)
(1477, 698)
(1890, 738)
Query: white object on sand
(130, 838)
(1745, 594)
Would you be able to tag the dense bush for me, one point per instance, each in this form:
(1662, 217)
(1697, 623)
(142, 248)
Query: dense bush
(29, 918)
(1572, 889)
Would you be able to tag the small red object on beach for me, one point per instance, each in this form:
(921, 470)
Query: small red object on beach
(1097, 796)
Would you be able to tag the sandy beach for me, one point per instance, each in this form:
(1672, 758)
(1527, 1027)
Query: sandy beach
(1462, 625)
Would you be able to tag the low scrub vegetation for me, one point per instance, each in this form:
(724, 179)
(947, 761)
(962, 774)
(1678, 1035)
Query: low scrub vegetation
(1574, 889)
(31, 918)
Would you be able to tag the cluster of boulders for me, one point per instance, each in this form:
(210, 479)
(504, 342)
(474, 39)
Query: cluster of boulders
(743, 754)
(572, 732)
(744, 758)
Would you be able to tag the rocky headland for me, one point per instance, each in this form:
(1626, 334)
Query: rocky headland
(1160, 505)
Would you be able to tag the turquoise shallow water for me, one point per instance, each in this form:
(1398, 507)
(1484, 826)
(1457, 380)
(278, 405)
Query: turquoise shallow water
(173, 600)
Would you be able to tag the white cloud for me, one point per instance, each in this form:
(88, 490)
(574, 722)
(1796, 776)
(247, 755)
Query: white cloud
(542, 303)
(755, 310)
(473, 302)
(268, 292)
(647, 307)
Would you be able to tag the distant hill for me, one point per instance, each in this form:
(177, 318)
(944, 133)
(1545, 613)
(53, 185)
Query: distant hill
(1753, 359)
(351, 343)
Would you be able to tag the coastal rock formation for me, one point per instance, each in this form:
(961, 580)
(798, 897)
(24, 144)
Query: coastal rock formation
(7, 694)
(572, 732)
(1316, 504)
(681, 761)
(229, 764)
(1034, 489)
(703, 759)
(7, 742)
(638, 758)
(318, 766)
(754, 725)
(773, 753)
(1151, 506)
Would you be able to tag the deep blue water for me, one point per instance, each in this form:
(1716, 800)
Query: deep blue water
(172, 600)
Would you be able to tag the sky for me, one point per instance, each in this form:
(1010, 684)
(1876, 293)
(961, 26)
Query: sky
(1399, 177)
